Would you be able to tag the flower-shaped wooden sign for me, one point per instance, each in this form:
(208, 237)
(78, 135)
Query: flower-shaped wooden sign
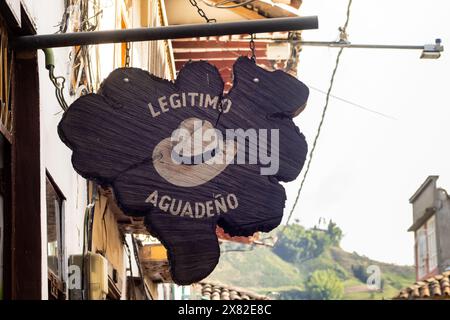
(188, 157)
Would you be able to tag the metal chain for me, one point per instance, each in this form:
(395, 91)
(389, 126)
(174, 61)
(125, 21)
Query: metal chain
(252, 47)
(201, 12)
(127, 55)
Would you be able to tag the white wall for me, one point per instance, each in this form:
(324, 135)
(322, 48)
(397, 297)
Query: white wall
(55, 156)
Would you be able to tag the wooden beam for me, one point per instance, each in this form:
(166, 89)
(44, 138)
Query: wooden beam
(219, 55)
(224, 64)
(26, 251)
(208, 44)
(7, 220)
(243, 12)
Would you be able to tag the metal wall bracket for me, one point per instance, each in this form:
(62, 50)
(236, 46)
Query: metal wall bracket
(164, 33)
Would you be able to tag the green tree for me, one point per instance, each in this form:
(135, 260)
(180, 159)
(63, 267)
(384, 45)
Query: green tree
(359, 271)
(324, 285)
(297, 244)
(334, 232)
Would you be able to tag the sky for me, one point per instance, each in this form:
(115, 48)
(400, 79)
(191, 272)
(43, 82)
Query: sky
(367, 166)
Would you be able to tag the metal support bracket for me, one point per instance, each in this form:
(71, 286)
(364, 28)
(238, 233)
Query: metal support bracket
(164, 33)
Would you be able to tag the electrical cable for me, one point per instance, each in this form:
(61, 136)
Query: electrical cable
(311, 154)
(292, 63)
(64, 19)
(354, 104)
(81, 63)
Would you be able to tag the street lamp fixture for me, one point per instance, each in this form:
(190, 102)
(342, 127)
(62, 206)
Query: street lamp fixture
(432, 51)
(429, 51)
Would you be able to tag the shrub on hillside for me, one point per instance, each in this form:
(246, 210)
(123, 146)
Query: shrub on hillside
(297, 244)
(324, 285)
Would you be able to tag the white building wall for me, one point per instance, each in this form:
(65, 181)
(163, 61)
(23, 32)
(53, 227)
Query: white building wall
(55, 156)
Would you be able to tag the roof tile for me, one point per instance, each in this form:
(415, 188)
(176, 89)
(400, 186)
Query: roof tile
(216, 291)
(437, 287)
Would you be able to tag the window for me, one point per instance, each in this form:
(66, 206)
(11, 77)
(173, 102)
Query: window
(54, 228)
(426, 248)
(421, 252)
(431, 241)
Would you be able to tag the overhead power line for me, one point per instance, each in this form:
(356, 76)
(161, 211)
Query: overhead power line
(354, 104)
(343, 31)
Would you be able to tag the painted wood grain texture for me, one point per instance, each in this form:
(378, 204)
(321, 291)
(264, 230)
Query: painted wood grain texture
(113, 135)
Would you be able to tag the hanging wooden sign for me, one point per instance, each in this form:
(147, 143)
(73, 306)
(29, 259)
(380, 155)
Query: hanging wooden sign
(188, 157)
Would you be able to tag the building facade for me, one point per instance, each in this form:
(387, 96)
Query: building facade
(431, 227)
(50, 215)
(62, 237)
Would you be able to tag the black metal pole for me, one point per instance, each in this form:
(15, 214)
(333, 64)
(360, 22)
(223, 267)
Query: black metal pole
(166, 32)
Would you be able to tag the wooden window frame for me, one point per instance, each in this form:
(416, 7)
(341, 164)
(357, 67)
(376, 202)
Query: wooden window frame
(432, 245)
(422, 258)
(423, 232)
(56, 282)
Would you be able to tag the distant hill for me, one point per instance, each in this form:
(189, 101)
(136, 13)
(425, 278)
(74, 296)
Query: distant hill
(265, 271)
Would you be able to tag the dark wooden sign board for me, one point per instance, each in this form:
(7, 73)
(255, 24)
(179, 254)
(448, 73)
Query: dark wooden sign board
(119, 139)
